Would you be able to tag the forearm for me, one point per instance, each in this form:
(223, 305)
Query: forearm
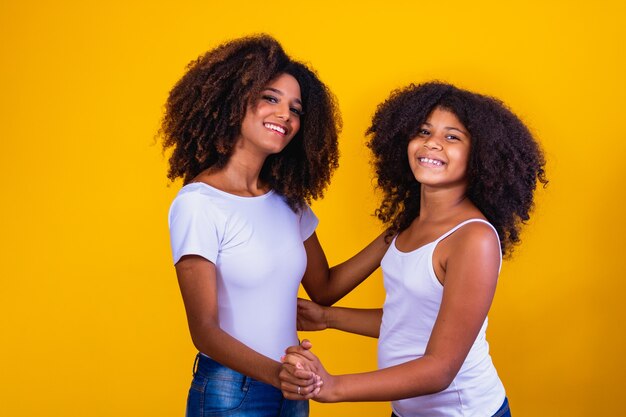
(419, 377)
(326, 285)
(346, 276)
(197, 280)
(230, 352)
(365, 322)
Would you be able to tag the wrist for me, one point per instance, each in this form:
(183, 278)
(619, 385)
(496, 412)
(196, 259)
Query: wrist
(329, 317)
(275, 376)
(332, 389)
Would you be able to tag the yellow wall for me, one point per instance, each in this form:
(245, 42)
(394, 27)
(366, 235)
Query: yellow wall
(91, 320)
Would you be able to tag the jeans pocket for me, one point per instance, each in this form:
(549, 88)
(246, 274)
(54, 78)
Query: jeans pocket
(215, 395)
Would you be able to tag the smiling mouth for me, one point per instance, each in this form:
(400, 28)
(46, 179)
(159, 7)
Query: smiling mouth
(429, 161)
(275, 128)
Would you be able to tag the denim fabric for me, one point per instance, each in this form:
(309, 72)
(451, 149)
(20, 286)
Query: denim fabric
(503, 411)
(219, 391)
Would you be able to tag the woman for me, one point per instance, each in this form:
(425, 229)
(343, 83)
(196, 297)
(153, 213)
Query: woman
(253, 136)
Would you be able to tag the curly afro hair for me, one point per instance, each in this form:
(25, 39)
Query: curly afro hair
(505, 161)
(205, 109)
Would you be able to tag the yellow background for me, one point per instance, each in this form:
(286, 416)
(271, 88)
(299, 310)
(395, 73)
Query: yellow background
(91, 320)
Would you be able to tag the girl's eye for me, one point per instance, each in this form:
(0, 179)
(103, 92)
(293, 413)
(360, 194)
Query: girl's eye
(296, 111)
(424, 132)
(269, 98)
(452, 137)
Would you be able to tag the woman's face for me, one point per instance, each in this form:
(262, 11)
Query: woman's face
(273, 119)
(439, 154)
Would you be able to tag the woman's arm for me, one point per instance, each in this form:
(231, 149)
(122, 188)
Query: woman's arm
(197, 281)
(471, 270)
(328, 285)
(312, 317)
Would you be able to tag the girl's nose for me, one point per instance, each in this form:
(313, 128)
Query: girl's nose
(432, 143)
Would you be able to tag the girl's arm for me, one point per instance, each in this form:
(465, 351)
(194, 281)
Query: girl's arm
(312, 317)
(197, 281)
(328, 285)
(471, 271)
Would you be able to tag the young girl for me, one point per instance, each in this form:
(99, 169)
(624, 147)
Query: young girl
(458, 171)
(254, 138)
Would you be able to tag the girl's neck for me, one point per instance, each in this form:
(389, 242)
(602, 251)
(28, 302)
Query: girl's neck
(440, 205)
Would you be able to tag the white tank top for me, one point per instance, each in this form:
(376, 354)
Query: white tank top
(411, 306)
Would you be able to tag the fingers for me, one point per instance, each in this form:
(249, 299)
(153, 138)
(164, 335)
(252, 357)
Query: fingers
(306, 344)
(296, 360)
(302, 302)
(298, 383)
(299, 362)
(299, 392)
(305, 352)
(296, 375)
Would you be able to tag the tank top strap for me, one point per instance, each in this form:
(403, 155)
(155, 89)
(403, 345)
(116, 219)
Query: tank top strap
(458, 226)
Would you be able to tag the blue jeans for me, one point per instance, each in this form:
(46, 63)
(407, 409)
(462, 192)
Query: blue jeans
(503, 411)
(219, 391)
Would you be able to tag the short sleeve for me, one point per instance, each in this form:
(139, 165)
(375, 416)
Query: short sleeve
(193, 227)
(308, 222)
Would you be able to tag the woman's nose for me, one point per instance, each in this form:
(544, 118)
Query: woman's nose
(282, 112)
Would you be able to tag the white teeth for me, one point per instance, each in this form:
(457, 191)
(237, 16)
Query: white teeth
(275, 127)
(431, 161)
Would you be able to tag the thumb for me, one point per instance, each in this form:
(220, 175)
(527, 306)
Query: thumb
(306, 344)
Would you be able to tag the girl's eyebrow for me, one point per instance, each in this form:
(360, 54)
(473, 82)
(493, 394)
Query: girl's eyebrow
(280, 93)
(448, 128)
(457, 129)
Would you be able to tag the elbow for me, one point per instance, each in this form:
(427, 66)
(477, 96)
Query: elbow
(323, 298)
(441, 377)
(202, 337)
(440, 383)
(201, 345)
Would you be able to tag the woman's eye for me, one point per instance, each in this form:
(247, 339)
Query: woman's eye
(271, 99)
(296, 111)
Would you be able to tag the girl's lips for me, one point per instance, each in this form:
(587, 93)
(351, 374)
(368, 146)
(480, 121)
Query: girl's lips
(431, 161)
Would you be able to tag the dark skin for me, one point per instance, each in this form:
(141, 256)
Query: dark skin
(241, 176)
(466, 264)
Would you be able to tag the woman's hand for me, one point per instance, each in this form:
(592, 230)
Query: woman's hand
(311, 316)
(298, 365)
(298, 381)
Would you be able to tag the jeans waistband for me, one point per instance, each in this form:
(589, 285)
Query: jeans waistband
(205, 366)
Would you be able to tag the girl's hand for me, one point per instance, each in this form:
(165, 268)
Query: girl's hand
(311, 316)
(298, 381)
(298, 364)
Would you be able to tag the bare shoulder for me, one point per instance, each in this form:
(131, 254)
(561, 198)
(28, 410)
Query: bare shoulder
(471, 243)
(475, 235)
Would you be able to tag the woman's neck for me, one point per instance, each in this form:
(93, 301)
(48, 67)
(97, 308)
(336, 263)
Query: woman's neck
(240, 176)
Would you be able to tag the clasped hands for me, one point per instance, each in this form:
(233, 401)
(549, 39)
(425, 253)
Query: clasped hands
(302, 375)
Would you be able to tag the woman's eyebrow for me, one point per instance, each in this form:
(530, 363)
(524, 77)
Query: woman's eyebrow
(280, 93)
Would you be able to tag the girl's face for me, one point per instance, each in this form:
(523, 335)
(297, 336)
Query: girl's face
(273, 119)
(439, 154)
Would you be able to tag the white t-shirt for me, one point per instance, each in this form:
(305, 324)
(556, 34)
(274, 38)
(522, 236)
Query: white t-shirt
(411, 307)
(256, 244)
